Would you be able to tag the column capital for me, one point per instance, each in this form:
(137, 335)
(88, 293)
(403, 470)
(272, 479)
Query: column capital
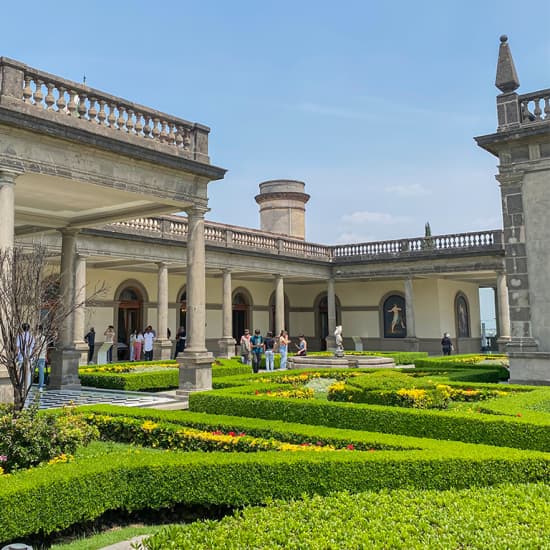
(8, 176)
(69, 231)
(227, 271)
(160, 265)
(196, 211)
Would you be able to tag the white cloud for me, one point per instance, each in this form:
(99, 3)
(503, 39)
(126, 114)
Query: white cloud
(352, 237)
(411, 190)
(362, 217)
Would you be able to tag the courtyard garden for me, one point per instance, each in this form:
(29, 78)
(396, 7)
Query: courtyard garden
(440, 456)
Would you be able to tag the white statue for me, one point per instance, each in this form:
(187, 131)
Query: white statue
(338, 338)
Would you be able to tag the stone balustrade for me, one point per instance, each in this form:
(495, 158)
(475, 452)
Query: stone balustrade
(175, 228)
(66, 101)
(534, 107)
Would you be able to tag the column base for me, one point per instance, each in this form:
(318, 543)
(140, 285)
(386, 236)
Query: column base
(412, 344)
(6, 387)
(195, 372)
(82, 348)
(162, 349)
(226, 347)
(502, 343)
(530, 368)
(64, 373)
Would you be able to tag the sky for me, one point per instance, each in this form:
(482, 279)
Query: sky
(374, 105)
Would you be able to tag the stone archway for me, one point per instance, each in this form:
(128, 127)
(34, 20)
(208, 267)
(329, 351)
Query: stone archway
(320, 309)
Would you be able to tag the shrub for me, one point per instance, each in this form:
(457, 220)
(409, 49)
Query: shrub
(30, 437)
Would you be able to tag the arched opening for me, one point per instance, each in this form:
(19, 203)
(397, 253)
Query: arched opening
(321, 319)
(241, 313)
(462, 316)
(130, 317)
(394, 316)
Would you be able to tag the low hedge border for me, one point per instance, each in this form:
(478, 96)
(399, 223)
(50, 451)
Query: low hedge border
(468, 427)
(51, 498)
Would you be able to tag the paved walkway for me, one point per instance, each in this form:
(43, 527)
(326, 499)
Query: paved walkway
(50, 399)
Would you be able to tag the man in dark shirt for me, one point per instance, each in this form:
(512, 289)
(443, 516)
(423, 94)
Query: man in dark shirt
(90, 340)
(269, 344)
(257, 343)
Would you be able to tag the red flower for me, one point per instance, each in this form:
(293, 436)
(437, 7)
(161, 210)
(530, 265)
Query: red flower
(241, 434)
(256, 392)
(519, 414)
(350, 447)
(319, 443)
(232, 434)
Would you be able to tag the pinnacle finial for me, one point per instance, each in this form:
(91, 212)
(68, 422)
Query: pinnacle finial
(507, 78)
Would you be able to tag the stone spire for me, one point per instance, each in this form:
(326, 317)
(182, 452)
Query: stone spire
(507, 78)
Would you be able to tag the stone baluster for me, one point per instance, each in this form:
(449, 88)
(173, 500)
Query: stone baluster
(82, 107)
(38, 96)
(49, 100)
(121, 120)
(73, 105)
(92, 111)
(130, 121)
(147, 127)
(61, 101)
(155, 132)
(27, 90)
(102, 115)
(139, 124)
(111, 119)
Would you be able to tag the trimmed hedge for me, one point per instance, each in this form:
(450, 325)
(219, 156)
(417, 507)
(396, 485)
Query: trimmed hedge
(486, 518)
(468, 427)
(51, 498)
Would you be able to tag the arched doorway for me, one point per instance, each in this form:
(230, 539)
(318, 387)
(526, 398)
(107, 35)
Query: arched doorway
(241, 313)
(130, 317)
(321, 319)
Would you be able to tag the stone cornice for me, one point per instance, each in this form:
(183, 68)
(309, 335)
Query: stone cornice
(288, 195)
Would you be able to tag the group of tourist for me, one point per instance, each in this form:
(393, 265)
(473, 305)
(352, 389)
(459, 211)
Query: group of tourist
(253, 347)
(140, 343)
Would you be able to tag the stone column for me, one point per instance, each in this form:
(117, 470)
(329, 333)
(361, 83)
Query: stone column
(7, 231)
(196, 361)
(331, 303)
(227, 343)
(162, 348)
(80, 311)
(66, 357)
(279, 304)
(503, 312)
(411, 339)
(7, 208)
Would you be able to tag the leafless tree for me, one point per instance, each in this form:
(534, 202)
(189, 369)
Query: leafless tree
(32, 312)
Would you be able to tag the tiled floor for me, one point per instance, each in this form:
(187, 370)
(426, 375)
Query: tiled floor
(51, 399)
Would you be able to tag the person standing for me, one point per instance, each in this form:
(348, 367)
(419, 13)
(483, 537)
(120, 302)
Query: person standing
(269, 344)
(133, 336)
(446, 344)
(258, 347)
(138, 345)
(283, 348)
(42, 345)
(181, 339)
(245, 347)
(90, 340)
(25, 348)
(110, 339)
(148, 339)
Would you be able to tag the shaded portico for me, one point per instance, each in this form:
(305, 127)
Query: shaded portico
(72, 157)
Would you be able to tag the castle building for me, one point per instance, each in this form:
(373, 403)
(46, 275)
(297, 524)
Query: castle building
(97, 178)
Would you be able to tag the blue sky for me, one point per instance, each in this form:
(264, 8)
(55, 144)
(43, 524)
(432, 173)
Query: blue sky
(373, 104)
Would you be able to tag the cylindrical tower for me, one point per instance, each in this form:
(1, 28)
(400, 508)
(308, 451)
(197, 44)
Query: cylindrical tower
(283, 207)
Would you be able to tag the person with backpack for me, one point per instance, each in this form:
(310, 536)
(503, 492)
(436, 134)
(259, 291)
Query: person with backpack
(258, 348)
(269, 345)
